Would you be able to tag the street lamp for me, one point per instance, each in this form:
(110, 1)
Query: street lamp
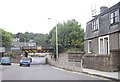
(56, 40)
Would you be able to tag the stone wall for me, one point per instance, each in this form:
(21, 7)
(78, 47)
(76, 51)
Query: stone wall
(115, 60)
(98, 62)
(108, 63)
(103, 62)
(65, 62)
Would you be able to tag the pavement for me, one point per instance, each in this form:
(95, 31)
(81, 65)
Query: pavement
(0, 76)
(110, 75)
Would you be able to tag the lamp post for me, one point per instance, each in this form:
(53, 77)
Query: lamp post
(56, 42)
(56, 39)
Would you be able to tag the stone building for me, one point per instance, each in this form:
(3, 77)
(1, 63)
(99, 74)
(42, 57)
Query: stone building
(102, 40)
(16, 43)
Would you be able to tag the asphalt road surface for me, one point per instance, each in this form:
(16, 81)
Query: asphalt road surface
(42, 72)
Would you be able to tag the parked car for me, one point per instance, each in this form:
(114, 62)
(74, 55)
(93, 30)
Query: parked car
(5, 61)
(25, 61)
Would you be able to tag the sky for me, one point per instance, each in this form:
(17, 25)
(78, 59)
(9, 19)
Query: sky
(32, 15)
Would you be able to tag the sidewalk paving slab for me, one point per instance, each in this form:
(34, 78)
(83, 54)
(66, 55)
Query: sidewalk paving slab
(111, 75)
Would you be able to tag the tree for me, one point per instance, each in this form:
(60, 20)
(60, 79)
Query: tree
(70, 36)
(40, 39)
(51, 37)
(5, 38)
(18, 35)
(25, 37)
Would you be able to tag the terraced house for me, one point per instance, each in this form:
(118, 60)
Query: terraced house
(102, 40)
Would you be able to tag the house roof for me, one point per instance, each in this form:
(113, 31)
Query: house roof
(111, 9)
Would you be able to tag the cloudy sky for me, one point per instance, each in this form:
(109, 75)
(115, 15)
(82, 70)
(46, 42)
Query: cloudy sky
(32, 15)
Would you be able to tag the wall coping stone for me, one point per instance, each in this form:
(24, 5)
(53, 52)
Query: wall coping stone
(115, 50)
(96, 55)
(76, 53)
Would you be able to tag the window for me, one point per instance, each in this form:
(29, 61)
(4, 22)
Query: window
(106, 51)
(89, 46)
(111, 17)
(114, 17)
(104, 45)
(95, 25)
(101, 46)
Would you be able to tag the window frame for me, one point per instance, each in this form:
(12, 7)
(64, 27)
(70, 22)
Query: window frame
(116, 16)
(99, 45)
(89, 46)
(113, 16)
(95, 25)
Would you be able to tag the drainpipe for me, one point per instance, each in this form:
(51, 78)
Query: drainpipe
(118, 41)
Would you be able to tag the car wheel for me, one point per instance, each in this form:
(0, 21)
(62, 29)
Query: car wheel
(28, 65)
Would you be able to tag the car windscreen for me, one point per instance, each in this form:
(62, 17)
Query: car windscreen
(5, 58)
(26, 59)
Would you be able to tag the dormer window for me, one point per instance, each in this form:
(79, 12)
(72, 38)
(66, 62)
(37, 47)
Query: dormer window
(114, 17)
(95, 25)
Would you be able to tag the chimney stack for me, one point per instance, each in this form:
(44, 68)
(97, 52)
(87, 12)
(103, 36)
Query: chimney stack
(103, 8)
